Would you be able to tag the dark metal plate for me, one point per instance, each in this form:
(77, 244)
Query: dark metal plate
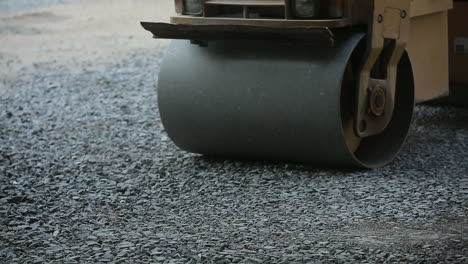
(321, 35)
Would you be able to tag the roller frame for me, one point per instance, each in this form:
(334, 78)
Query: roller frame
(385, 20)
(388, 27)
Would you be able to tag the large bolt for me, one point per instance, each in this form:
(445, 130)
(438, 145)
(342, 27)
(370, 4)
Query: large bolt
(380, 19)
(403, 14)
(378, 100)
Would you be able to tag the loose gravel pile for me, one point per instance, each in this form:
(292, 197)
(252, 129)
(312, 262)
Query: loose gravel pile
(87, 174)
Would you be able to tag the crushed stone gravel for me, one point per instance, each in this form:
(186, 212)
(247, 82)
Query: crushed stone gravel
(87, 174)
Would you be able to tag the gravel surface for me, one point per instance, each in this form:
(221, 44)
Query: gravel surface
(87, 174)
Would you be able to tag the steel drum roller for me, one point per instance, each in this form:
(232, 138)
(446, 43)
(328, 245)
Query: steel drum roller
(274, 101)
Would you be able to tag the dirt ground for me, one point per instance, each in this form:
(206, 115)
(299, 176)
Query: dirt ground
(77, 31)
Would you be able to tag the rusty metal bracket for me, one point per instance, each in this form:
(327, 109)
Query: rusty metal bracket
(376, 97)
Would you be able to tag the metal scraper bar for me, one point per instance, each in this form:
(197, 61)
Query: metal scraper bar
(320, 35)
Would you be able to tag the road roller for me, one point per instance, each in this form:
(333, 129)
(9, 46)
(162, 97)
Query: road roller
(322, 82)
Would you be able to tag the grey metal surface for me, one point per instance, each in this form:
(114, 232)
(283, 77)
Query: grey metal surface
(267, 100)
(270, 22)
(306, 8)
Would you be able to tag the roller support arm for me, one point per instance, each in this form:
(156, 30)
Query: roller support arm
(390, 22)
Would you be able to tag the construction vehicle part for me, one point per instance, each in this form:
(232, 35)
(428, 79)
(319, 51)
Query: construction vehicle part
(318, 35)
(306, 8)
(275, 101)
(313, 81)
(390, 22)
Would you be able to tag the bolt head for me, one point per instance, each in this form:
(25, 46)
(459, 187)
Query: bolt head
(403, 14)
(380, 18)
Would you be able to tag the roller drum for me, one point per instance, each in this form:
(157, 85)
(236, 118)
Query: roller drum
(273, 101)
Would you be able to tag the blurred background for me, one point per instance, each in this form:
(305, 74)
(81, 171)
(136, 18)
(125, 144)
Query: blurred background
(70, 31)
(21, 5)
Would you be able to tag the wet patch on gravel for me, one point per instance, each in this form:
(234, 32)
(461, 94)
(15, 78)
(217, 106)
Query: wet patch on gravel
(87, 174)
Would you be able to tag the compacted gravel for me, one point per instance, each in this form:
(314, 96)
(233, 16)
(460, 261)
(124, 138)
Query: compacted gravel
(87, 174)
